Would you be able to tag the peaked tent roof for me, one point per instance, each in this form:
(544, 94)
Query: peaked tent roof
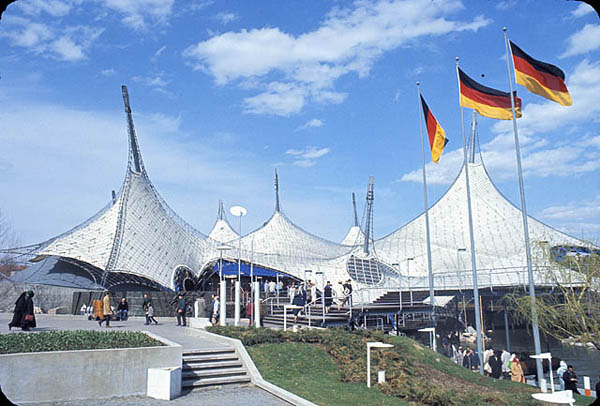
(138, 235)
(222, 230)
(498, 231)
(354, 237)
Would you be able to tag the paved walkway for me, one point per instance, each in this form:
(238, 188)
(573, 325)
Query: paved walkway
(224, 396)
(166, 328)
(242, 395)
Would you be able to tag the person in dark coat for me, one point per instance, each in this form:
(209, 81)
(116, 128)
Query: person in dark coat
(181, 310)
(299, 300)
(18, 312)
(145, 308)
(123, 309)
(328, 292)
(597, 401)
(570, 379)
(496, 365)
(28, 314)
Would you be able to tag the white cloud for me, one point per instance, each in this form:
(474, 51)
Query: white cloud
(108, 72)
(137, 14)
(281, 99)
(151, 81)
(583, 41)
(314, 123)
(578, 210)
(506, 4)
(56, 8)
(307, 157)
(582, 10)
(68, 44)
(349, 40)
(542, 155)
(160, 51)
(226, 18)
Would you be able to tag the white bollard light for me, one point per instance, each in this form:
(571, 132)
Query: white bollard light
(380, 376)
(543, 385)
(586, 386)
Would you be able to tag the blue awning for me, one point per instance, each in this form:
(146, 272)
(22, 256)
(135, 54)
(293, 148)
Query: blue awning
(231, 268)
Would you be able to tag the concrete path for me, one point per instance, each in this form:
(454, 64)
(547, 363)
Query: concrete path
(242, 395)
(166, 328)
(224, 396)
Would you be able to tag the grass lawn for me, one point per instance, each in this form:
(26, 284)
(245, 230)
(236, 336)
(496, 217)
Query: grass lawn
(328, 367)
(73, 340)
(307, 371)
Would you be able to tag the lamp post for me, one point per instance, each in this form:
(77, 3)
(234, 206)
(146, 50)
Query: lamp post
(370, 345)
(222, 286)
(240, 212)
(322, 292)
(408, 278)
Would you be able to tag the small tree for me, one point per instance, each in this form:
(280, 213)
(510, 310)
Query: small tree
(7, 240)
(572, 309)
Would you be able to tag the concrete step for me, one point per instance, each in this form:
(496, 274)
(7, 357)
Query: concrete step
(208, 351)
(213, 373)
(210, 365)
(203, 382)
(193, 359)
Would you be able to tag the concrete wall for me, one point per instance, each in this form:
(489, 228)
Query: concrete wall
(68, 375)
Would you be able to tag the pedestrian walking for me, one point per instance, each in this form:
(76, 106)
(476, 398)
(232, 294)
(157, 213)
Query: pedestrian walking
(106, 310)
(28, 313)
(328, 292)
(340, 295)
(348, 293)
(145, 308)
(150, 314)
(559, 372)
(181, 310)
(570, 379)
(516, 371)
(201, 306)
(216, 308)
(505, 358)
(17, 318)
(123, 309)
(495, 364)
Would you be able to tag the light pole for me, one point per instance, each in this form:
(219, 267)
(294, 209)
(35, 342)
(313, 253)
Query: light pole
(222, 286)
(408, 278)
(322, 292)
(240, 212)
(370, 345)
(459, 274)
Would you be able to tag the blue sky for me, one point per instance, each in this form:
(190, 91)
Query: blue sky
(223, 92)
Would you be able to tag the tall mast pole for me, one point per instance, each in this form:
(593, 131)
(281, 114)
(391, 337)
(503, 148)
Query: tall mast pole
(534, 318)
(471, 234)
(277, 208)
(473, 132)
(354, 206)
(370, 197)
(429, 267)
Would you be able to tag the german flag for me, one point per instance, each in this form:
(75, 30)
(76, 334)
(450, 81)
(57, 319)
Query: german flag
(486, 101)
(539, 77)
(435, 132)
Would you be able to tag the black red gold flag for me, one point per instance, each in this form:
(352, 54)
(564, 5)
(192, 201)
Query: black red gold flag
(540, 77)
(435, 132)
(486, 101)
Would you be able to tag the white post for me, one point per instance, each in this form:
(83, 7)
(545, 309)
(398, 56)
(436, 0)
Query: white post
(236, 320)
(368, 366)
(256, 304)
(223, 303)
(285, 307)
(586, 386)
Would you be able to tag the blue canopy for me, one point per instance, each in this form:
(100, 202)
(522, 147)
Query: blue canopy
(231, 268)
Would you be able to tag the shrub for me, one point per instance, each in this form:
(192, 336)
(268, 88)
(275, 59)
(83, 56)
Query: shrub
(73, 340)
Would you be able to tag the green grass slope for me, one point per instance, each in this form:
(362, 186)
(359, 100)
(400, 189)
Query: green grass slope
(328, 367)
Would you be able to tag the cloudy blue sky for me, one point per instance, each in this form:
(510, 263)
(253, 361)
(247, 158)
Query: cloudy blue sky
(223, 92)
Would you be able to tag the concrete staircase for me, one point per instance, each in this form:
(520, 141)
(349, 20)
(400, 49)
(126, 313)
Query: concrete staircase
(211, 367)
(333, 318)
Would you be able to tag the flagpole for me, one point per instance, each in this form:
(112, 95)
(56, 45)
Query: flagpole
(429, 268)
(471, 234)
(534, 318)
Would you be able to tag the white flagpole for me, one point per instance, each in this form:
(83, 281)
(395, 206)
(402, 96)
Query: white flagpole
(431, 287)
(534, 319)
(471, 234)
